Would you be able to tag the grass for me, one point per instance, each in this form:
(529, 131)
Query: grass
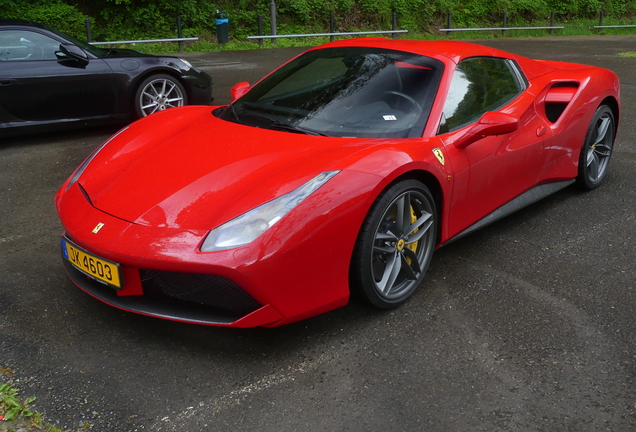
(16, 414)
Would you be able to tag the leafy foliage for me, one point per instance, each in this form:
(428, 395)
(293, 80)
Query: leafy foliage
(12, 406)
(18, 414)
(54, 13)
(144, 19)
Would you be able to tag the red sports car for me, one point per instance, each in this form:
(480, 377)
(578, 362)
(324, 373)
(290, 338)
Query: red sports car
(337, 174)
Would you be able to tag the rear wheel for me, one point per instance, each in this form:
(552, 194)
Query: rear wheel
(597, 149)
(395, 245)
(157, 93)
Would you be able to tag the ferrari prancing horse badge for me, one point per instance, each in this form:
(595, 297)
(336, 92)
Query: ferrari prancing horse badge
(440, 156)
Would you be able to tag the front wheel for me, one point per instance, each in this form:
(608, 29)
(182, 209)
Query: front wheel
(395, 245)
(597, 149)
(157, 93)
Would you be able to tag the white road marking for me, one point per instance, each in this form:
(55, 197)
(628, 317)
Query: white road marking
(236, 397)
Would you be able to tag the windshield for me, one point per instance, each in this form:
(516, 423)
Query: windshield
(344, 92)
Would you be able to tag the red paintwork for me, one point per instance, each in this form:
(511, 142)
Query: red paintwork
(561, 94)
(239, 90)
(491, 123)
(166, 181)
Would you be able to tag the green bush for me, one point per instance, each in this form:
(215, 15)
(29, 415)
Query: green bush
(150, 19)
(54, 13)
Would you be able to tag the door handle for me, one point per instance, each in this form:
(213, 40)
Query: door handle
(7, 82)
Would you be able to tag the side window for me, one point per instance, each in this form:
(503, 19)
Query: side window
(20, 45)
(480, 84)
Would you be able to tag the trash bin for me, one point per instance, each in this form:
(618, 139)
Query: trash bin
(222, 27)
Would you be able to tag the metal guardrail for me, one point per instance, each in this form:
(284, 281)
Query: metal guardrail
(504, 28)
(601, 26)
(145, 41)
(614, 26)
(326, 34)
(500, 28)
(180, 39)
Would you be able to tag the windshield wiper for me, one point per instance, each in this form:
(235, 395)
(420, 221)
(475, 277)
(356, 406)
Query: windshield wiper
(297, 128)
(285, 126)
(233, 111)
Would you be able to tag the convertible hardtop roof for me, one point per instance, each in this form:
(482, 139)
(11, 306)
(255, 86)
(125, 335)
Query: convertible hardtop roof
(454, 51)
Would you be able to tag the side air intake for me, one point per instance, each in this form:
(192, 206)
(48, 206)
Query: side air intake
(558, 98)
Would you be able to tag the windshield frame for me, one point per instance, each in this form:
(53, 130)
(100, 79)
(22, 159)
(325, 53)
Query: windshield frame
(263, 98)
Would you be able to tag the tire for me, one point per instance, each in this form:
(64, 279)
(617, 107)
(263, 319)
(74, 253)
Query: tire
(597, 149)
(157, 93)
(395, 245)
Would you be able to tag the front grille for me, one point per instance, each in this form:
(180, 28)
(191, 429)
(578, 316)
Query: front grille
(204, 289)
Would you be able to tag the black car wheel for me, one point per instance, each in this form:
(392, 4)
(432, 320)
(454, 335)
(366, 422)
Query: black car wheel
(395, 245)
(597, 149)
(158, 92)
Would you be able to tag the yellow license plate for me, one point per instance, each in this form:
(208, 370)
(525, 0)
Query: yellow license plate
(100, 269)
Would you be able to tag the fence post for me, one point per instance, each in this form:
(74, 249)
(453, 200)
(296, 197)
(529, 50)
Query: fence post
(332, 27)
(505, 22)
(272, 18)
(89, 36)
(551, 22)
(394, 24)
(259, 20)
(450, 22)
(600, 22)
(179, 33)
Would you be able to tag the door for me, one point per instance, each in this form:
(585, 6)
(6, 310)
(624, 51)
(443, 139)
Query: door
(37, 86)
(494, 170)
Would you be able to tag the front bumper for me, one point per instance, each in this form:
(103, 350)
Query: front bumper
(294, 271)
(199, 87)
(237, 312)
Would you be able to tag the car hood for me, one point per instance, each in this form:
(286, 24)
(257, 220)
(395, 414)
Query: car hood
(185, 168)
(124, 52)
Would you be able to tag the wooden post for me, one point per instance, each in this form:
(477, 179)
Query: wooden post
(272, 17)
(89, 36)
(332, 27)
(394, 24)
(179, 34)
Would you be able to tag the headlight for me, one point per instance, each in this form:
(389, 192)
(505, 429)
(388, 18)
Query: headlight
(189, 65)
(78, 172)
(247, 227)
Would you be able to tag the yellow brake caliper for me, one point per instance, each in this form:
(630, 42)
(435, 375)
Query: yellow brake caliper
(412, 246)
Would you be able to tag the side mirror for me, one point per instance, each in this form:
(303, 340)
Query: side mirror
(239, 90)
(490, 124)
(73, 52)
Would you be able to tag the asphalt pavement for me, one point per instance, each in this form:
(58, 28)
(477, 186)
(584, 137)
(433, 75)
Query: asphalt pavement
(525, 325)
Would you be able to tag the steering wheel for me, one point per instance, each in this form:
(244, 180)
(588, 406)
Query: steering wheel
(416, 108)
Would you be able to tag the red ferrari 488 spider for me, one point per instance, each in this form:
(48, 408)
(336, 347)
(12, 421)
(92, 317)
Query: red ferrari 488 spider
(339, 173)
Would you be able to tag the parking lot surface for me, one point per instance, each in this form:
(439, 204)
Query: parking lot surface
(526, 325)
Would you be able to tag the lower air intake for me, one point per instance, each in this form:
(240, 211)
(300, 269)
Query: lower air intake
(204, 289)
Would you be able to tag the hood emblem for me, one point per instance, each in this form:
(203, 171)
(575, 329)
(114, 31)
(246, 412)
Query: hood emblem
(98, 227)
(440, 156)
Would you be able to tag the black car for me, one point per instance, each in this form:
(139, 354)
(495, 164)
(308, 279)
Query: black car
(48, 78)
